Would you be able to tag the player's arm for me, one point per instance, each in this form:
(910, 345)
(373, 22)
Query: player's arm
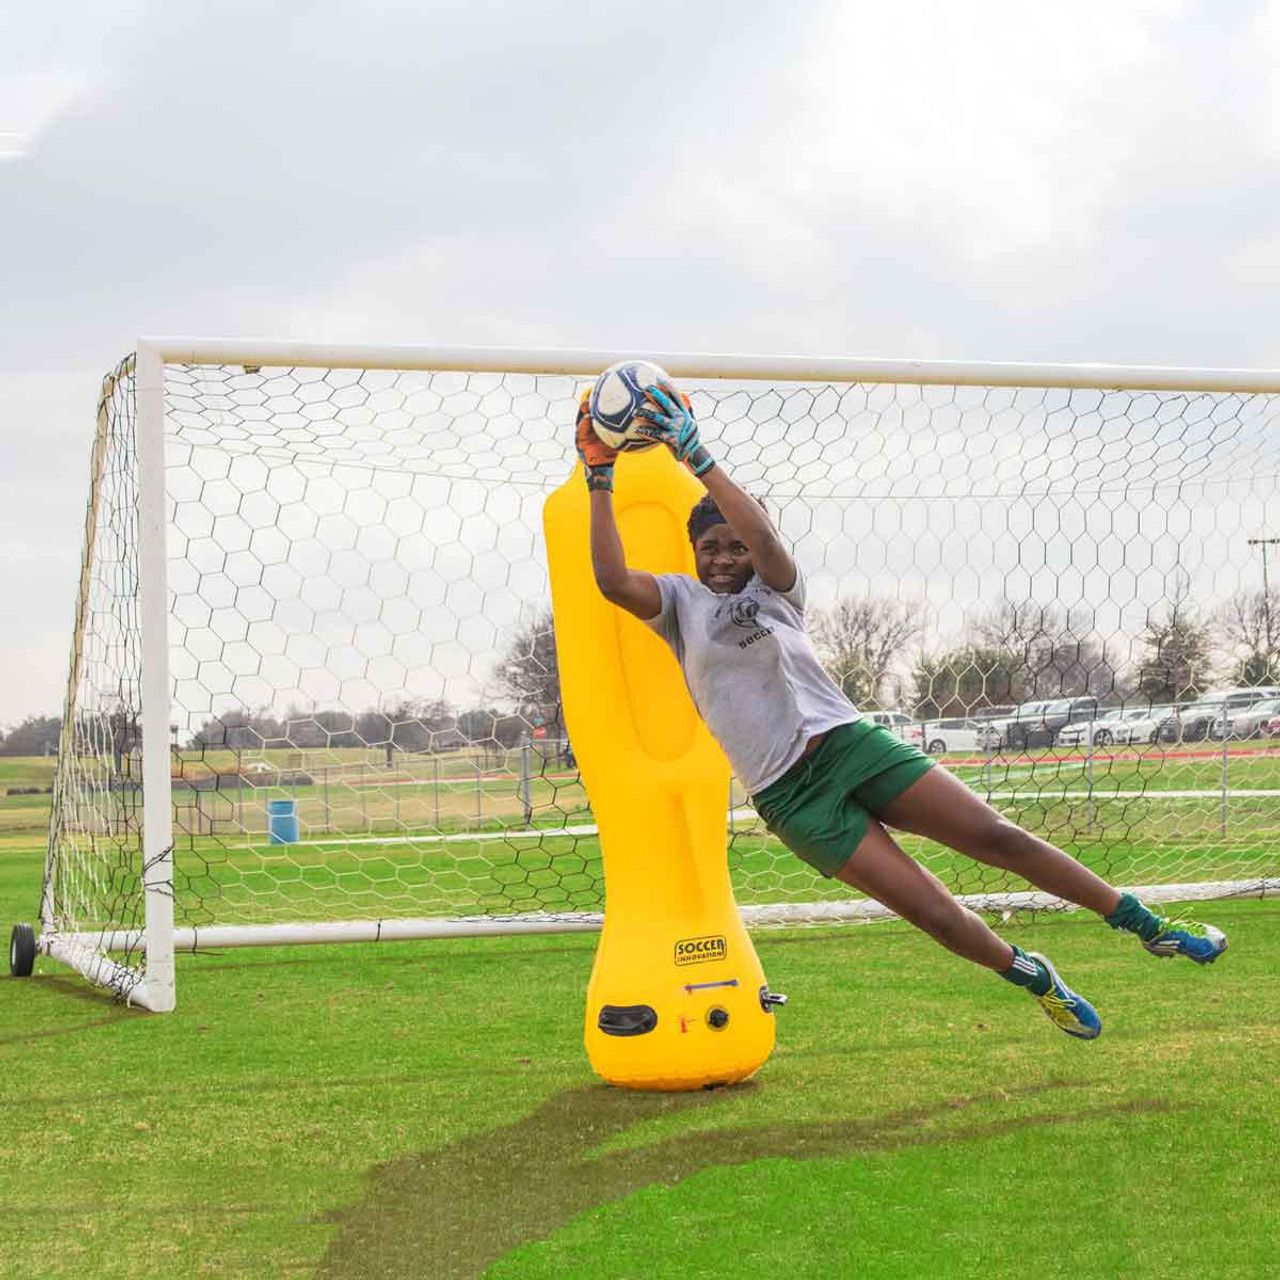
(749, 520)
(633, 591)
(669, 418)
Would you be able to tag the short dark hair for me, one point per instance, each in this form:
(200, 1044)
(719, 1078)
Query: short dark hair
(705, 513)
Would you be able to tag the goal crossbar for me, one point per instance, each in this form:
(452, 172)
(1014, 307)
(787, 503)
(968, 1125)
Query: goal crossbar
(741, 367)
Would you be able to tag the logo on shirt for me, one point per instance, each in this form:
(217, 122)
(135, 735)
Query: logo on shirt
(743, 610)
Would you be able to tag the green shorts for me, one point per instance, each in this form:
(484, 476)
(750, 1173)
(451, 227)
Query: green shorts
(819, 808)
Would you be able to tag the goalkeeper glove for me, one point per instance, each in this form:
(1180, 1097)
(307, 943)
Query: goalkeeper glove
(597, 457)
(669, 419)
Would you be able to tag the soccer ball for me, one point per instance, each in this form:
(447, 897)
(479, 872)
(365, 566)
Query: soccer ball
(618, 393)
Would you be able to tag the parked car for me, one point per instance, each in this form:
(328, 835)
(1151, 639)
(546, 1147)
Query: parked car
(984, 718)
(1037, 724)
(1144, 726)
(957, 734)
(1012, 730)
(987, 715)
(898, 723)
(1103, 731)
(1195, 722)
(1190, 723)
(1248, 723)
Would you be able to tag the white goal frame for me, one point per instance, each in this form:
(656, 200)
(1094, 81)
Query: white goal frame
(87, 953)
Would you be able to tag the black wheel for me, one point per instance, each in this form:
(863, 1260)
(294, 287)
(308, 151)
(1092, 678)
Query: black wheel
(22, 950)
(1102, 738)
(937, 747)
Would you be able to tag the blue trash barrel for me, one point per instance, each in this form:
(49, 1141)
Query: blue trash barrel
(282, 821)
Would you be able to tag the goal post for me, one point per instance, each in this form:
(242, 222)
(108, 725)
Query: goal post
(157, 883)
(313, 694)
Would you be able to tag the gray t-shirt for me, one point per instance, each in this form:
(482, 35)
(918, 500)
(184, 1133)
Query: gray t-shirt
(753, 674)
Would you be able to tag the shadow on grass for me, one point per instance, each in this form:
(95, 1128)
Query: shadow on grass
(452, 1212)
(74, 988)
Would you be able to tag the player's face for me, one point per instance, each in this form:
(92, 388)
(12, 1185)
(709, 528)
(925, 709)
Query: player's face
(723, 561)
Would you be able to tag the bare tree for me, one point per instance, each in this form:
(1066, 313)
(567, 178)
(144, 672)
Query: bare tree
(1017, 627)
(1248, 625)
(1048, 652)
(1076, 664)
(1177, 658)
(238, 727)
(35, 736)
(960, 681)
(408, 725)
(1024, 634)
(528, 673)
(859, 642)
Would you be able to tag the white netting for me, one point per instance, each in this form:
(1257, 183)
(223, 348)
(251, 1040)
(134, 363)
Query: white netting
(93, 871)
(360, 632)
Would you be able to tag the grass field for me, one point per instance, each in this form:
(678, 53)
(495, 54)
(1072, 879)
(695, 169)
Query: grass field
(448, 835)
(426, 1109)
(353, 791)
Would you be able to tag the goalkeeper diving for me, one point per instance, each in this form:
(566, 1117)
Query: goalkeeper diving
(831, 785)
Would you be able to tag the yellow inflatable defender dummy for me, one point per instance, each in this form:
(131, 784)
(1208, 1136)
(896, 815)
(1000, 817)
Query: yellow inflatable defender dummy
(677, 998)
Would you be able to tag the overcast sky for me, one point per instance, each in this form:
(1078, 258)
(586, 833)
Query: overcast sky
(989, 181)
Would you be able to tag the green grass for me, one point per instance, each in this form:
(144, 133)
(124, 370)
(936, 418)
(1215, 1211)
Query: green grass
(26, 771)
(246, 880)
(426, 1109)
(353, 792)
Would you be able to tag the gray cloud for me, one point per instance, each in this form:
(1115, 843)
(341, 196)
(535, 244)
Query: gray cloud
(976, 182)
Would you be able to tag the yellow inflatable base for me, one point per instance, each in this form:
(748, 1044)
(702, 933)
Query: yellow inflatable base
(676, 997)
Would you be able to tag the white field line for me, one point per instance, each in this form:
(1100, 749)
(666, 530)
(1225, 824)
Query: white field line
(487, 781)
(1098, 794)
(469, 837)
(743, 815)
(504, 781)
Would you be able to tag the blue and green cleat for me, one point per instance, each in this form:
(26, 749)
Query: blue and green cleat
(1073, 1013)
(1199, 942)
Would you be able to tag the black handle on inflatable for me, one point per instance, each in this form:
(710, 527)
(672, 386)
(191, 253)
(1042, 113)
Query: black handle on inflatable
(627, 1020)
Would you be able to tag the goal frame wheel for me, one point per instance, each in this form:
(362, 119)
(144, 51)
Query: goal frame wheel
(22, 950)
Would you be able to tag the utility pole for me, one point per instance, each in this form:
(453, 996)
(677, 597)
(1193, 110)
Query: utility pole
(1264, 543)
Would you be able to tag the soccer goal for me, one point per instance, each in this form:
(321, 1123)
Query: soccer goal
(313, 692)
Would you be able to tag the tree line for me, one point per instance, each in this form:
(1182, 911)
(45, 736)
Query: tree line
(526, 685)
(876, 649)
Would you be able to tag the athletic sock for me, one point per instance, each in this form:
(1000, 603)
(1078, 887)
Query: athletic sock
(1133, 917)
(1027, 972)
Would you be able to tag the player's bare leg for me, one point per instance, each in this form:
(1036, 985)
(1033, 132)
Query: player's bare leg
(880, 869)
(940, 807)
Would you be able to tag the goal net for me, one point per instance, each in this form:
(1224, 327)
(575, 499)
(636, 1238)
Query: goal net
(313, 691)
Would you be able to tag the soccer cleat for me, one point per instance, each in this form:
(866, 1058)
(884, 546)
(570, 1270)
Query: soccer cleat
(1073, 1013)
(1199, 942)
